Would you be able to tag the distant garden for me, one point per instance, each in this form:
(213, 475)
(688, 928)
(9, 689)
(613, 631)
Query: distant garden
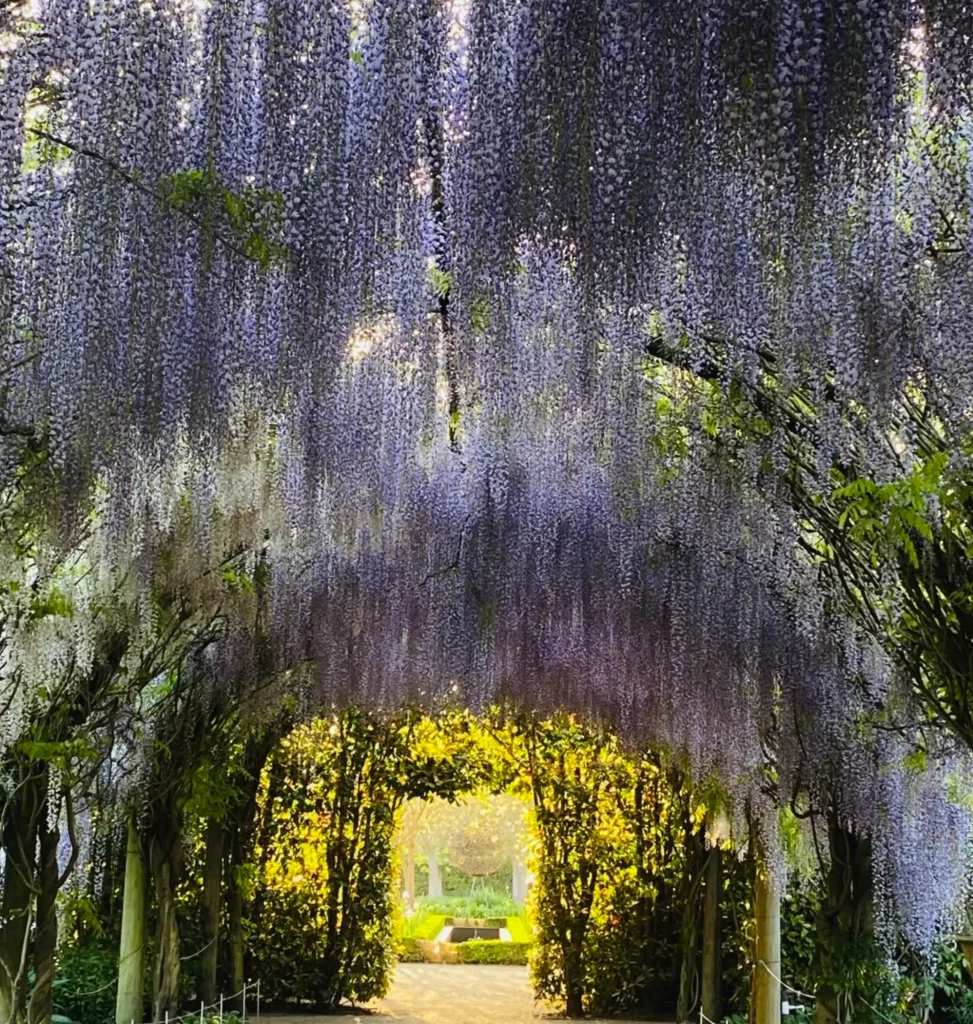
(452, 441)
(317, 857)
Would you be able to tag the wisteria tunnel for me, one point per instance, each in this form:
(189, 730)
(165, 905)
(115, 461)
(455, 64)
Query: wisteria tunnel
(486, 481)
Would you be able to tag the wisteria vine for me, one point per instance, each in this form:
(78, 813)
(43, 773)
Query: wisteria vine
(370, 289)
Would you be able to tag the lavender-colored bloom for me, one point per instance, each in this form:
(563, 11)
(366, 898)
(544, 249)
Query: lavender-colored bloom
(367, 290)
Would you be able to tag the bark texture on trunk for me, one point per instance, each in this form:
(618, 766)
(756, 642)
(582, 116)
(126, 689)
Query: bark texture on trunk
(689, 899)
(238, 844)
(129, 999)
(712, 984)
(41, 1008)
(165, 857)
(23, 810)
(235, 938)
(574, 975)
(845, 924)
(212, 892)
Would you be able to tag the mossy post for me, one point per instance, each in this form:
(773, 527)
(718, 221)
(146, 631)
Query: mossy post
(131, 952)
(766, 986)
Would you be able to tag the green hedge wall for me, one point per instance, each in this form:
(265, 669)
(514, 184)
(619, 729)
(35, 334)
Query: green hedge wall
(486, 951)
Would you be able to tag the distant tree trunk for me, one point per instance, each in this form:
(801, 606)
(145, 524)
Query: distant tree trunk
(845, 922)
(712, 985)
(409, 875)
(212, 892)
(689, 929)
(41, 1008)
(573, 952)
(766, 988)
(518, 887)
(165, 861)
(16, 903)
(435, 877)
(131, 951)
(235, 938)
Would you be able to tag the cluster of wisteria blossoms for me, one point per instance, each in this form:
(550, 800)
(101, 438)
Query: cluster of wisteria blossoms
(370, 286)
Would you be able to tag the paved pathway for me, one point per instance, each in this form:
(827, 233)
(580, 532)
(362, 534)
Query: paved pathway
(446, 994)
(459, 994)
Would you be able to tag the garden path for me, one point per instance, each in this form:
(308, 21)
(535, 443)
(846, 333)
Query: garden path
(446, 994)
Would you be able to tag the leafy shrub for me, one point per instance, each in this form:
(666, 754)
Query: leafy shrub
(86, 982)
(482, 904)
(409, 951)
(487, 951)
(322, 916)
(426, 926)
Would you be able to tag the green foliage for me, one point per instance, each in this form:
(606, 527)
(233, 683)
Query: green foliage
(409, 952)
(481, 904)
(611, 833)
(423, 925)
(891, 516)
(940, 992)
(440, 282)
(249, 220)
(323, 911)
(86, 981)
(520, 930)
(799, 907)
(484, 951)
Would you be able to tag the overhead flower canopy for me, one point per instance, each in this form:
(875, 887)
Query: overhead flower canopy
(378, 290)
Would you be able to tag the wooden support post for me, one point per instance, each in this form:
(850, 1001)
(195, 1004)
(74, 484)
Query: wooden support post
(766, 987)
(131, 951)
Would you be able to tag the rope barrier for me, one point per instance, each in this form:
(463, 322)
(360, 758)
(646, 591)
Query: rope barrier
(192, 956)
(783, 984)
(201, 1013)
(807, 995)
(113, 981)
(879, 1012)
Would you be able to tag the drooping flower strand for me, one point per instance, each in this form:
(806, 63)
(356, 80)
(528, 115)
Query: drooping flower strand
(371, 290)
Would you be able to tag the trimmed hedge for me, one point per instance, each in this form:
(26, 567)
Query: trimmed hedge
(409, 951)
(489, 951)
(416, 945)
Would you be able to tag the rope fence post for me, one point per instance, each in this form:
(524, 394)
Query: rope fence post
(221, 1008)
(202, 1011)
(243, 1004)
(258, 1001)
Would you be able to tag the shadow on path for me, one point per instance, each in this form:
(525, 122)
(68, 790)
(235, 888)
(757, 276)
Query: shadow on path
(446, 994)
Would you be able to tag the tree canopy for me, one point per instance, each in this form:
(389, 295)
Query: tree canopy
(608, 356)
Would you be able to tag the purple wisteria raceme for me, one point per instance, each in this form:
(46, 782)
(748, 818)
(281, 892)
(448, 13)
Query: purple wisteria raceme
(373, 289)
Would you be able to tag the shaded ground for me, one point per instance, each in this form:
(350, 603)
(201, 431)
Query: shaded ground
(445, 994)
(459, 994)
